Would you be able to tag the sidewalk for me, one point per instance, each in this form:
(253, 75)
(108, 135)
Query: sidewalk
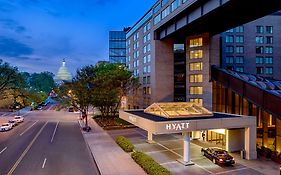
(110, 158)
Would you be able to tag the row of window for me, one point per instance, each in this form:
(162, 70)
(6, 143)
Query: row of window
(169, 9)
(146, 80)
(262, 39)
(239, 29)
(266, 49)
(240, 60)
(262, 70)
(238, 39)
(264, 60)
(268, 29)
(238, 49)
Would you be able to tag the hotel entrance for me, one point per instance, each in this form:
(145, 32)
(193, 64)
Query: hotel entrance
(217, 137)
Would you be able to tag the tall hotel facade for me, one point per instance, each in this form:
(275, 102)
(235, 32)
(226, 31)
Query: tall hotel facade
(179, 68)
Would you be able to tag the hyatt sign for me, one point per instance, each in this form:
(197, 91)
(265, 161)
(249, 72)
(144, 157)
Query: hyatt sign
(177, 126)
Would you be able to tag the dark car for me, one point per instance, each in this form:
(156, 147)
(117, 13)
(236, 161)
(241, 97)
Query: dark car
(218, 155)
(71, 109)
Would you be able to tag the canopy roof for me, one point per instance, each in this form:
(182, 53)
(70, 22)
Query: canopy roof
(177, 110)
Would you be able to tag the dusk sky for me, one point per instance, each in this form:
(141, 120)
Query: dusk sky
(36, 35)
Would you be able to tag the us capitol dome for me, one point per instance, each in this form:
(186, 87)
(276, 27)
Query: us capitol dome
(63, 73)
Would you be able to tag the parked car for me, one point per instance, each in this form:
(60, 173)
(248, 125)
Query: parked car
(39, 107)
(18, 119)
(71, 109)
(13, 123)
(218, 155)
(5, 127)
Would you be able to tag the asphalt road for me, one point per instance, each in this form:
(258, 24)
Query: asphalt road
(48, 142)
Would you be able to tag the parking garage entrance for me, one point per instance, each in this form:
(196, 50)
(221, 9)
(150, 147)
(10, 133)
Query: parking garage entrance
(191, 120)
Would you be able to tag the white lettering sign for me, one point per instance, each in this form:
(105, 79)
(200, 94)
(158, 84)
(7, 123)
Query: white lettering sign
(177, 126)
(132, 119)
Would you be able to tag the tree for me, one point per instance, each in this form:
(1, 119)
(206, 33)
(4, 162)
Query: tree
(42, 81)
(111, 83)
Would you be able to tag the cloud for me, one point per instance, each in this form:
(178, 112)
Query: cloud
(12, 25)
(10, 47)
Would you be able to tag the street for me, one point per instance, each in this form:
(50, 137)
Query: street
(48, 142)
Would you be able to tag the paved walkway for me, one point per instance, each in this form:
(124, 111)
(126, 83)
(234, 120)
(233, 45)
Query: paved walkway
(110, 158)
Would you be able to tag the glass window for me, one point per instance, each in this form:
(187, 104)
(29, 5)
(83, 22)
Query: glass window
(157, 8)
(229, 49)
(259, 39)
(240, 69)
(268, 60)
(239, 49)
(269, 29)
(268, 50)
(259, 50)
(197, 42)
(239, 60)
(164, 2)
(165, 12)
(197, 100)
(229, 38)
(259, 70)
(259, 29)
(196, 78)
(196, 66)
(259, 60)
(195, 54)
(196, 90)
(269, 70)
(179, 48)
(229, 59)
(239, 39)
(157, 19)
(230, 31)
(269, 39)
(239, 29)
(148, 58)
(175, 5)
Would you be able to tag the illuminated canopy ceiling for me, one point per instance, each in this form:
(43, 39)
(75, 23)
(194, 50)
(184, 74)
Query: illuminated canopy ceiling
(177, 110)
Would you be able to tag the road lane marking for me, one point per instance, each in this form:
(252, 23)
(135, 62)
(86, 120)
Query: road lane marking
(230, 171)
(3, 150)
(53, 136)
(26, 150)
(28, 128)
(44, 163)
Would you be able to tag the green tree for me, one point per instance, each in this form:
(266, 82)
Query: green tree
(43, 81)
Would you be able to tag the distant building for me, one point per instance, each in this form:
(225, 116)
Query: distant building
(117, 46)
(63, 73)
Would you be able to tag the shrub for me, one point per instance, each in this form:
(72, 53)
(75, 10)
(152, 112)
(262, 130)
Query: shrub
(149, 165)
(125, 144)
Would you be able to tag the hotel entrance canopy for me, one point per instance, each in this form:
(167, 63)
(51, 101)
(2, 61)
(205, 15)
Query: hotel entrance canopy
(168, 118)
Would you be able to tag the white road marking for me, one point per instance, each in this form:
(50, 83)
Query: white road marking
(28, 128)
(44, 163)
(233, 170)
(3, 150)
(53, 136)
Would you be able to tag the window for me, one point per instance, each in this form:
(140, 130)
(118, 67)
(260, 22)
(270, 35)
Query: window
(269, 40)
(239, 49)
(157, 8)
(239, 29)
(259, 70)
(165, 12)
(148, 47)
(229, 49)
(269, 70)
(229, 59)
(197, 100)
(268, 50)
(269, 29)
(148, 37)
(164, 2)
(179, 48)
(268, 60)
(157, 19)
(259, 60)
(259, 39)
(196, 90)
(196, 78)
(148, 58)
(195, 54)
(144, 80)
(175, 5)
(229, 39)
(259, 29)
(144, 59)
(148, 80)
(239, 39)
(240, 69)
(196, 66)
(239, 60)
(144, 49)
(259, 49)
(144, 69)
(230, 31)
(197, 42)
(144, 39)
(148, 69)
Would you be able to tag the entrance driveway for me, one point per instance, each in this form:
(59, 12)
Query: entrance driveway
(169, 148)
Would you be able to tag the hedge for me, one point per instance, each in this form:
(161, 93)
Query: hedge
(125, 144)
(149, 165)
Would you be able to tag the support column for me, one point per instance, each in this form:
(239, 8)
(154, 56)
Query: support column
(150, 137)
(186, 150)
(250, 143)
